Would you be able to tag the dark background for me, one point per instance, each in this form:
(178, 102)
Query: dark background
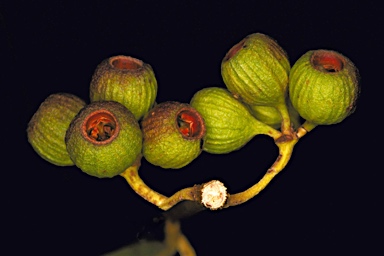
(327, 199)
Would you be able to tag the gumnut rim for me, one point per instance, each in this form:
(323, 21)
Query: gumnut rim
(237, 47)
(100, 127)
(190, 123)
(126, 63)
(327, 61)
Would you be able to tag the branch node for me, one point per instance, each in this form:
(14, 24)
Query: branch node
(214, 195)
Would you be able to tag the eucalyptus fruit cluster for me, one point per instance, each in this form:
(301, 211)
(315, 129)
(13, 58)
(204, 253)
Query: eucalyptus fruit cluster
(102, 138)
(262, 88)
(120, 124)
(122, 121)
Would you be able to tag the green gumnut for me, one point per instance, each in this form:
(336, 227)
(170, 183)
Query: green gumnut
(272, 117)
(173, 133)
(228, 121)
(256, 69)
(104, 139)
(324, 87)
(126, 80)
(47, 127)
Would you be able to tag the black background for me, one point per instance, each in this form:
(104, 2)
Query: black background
(327, 199)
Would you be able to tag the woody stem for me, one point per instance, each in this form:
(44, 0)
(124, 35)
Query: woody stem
(285, 153)
(131, 175)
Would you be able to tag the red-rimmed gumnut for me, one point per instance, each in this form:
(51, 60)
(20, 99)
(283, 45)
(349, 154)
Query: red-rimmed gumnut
(47, 127)
(173, 134)
(104, 139)
(256, 69)
(324, 86)
(126, 80)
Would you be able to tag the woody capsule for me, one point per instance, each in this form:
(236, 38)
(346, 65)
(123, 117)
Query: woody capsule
(230, 124)
(256, 69)
(48, 126)
(173, 134)
(104, 139)
(323, 87)
(127, 80)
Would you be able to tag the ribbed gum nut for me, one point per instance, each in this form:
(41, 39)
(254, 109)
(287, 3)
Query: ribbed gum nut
(126, 80)
(173, 133)
(104, 139)
(272, 117)
(324, 86)
(256, 69)
(228, 121)
(47, 127)
(267, 114)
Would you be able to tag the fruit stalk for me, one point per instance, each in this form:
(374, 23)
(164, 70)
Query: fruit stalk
(285, 153)
(131, 175)
(285, 118)
(195, 193)
(306, 127)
